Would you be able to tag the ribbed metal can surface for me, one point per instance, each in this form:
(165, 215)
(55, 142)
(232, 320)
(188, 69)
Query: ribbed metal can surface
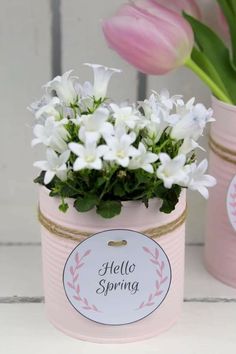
(220, 242)
(55, 251)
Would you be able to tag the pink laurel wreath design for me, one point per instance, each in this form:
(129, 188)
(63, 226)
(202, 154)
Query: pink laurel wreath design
(74, 283)
(161, 279)
(232, 202)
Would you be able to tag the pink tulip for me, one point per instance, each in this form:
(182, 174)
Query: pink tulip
(149, 36)
(189, 6)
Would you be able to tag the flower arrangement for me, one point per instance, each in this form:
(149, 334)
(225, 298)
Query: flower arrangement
(153, 36)
(102, 153)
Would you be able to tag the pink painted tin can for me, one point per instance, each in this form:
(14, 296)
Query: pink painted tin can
(220, 243)
(55, 251)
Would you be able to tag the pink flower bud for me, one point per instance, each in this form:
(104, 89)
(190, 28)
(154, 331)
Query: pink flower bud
(189, 6)
(149, 36)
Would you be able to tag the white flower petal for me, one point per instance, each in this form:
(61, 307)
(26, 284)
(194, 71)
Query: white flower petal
(97, 164)
(49, 175)
(79, 164)
(148, 168)
(35, 141)
(43, 165)
(63, 158)
(123, 162)
(102, 75)
(203, 191)
(76, 148)
(62, 175)
(52, 158)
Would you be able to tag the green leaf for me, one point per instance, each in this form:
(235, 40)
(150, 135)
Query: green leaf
(54, 193)
(170, 197)
(228, 7)
(216, 52)
(86, 203)
(203, 62)
(233, 6)
(145, 202)
(99, 182)
(40, 178)
(67, 191)
(142, 176)
(118, 190)
(167, 206)
(109, 208)
(63, 207)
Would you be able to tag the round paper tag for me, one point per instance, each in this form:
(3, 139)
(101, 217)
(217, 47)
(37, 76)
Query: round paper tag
(117, 284)
(231, 202)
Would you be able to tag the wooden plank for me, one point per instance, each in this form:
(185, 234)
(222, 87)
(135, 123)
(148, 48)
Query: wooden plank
(83, 41)
(203, 328)
(25, 67)
(16, 261)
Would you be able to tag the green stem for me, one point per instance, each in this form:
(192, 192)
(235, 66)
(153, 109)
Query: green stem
(72, 187)
(210, 83)
(107, 183)
(159, 149)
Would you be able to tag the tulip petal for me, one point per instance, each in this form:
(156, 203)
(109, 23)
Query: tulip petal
(153, 48)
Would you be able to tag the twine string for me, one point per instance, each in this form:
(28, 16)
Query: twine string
(221, 151)
(78, 235)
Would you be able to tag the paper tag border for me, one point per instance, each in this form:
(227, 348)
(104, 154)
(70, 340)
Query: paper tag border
(122, 324)
(227, 202)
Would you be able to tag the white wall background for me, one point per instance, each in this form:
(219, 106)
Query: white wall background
(26, 56)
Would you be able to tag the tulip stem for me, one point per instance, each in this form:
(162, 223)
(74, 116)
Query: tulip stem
(210, 83)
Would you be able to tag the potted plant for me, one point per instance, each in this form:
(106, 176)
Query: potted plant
(118, 171)
(154, 37)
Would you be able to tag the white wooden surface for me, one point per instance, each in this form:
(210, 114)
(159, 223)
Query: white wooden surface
(207, 325)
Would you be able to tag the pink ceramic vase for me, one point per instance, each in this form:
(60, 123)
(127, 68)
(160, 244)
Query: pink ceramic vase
(134, 216)
(220, 245)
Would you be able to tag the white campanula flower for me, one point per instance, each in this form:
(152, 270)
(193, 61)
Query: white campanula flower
(102, 75)
(86, 100)
(143, 160)
(127, 115)
(156, 126)
(65, 88)
(204, 114)
(89, 155)
(94, 126)
(158, 119)
(35, 106)
(51, 109)
(188, 146)
(52, 134)
(84, 90)
(171, 171)
(183, 108)
(100, 135)
(192, 124)
(151, 108)
(198, 180)
(120, 147)
(54, 165)
(165, 100)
